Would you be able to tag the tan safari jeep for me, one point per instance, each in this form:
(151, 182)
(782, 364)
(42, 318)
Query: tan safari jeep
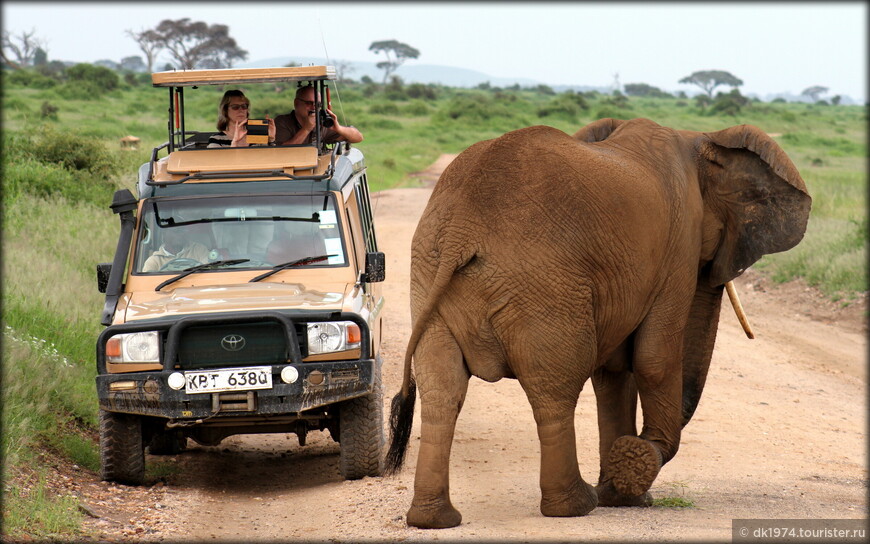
(244, 294)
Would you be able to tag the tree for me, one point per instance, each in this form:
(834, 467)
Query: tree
(401, 52)
(150, 42)
(342, 70)
(133, 64)
(22, 47)
(199, 45)
(708, 80)
(40, 57)
(814, 92)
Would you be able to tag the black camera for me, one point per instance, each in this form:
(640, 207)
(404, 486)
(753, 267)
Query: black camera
(326, 120)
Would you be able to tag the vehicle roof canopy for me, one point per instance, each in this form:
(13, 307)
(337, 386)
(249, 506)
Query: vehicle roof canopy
(227, 76)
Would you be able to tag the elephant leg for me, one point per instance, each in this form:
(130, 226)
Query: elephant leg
(442, 381)
(616, 397)
(634, 461)
(564, 493)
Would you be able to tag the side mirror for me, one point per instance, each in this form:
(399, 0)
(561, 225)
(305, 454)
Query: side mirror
(375, 267)
(103, 271)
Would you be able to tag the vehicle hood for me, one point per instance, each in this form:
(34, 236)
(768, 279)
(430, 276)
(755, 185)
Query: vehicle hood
(230, 298)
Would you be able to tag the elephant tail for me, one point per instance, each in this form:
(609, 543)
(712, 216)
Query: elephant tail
(402, 406)
(401, 418)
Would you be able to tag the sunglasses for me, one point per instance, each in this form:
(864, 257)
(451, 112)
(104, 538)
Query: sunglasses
(237, 107)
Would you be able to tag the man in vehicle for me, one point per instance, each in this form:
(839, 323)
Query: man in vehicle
(297, 127)
(174, 248)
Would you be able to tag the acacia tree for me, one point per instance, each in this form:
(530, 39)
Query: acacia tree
(22, 47)
(150, 42)
(814, 92)
(708, 80)
(195, 44)
(400, 53)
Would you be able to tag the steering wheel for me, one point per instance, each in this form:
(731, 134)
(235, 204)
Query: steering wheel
(180, 263)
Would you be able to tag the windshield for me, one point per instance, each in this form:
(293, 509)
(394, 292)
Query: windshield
(261, 231)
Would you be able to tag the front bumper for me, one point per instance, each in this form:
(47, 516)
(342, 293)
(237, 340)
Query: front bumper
(319, 383)
(152, 396)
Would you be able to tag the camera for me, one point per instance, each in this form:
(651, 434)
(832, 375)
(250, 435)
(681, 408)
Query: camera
(258, 131)
(326, 120)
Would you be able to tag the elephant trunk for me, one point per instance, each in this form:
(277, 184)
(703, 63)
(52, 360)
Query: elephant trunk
(700, 336)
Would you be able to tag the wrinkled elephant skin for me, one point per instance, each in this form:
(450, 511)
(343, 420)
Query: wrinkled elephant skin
(553, 259)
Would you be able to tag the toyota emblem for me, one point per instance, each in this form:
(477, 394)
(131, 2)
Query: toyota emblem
(233, 342)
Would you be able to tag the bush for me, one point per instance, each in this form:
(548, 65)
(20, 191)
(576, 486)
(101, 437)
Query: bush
(569, 104)
(417, 108)
(475, 108)
(48, 110)
(53, 163)
(80, 90)
(93, 81)
(419, 90)
(384, 108)
(728, 104)
(643, 89)
(29, 78)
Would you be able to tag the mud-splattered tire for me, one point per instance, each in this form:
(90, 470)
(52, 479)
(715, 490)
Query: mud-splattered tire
(361, 431)
(167, 443)
(122, 454)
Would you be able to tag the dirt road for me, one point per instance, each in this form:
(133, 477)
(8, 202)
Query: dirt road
(779, 433)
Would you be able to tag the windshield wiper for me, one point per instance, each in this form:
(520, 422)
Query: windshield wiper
(279, 267)
(206, 266)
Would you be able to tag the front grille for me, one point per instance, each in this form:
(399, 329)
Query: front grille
(206, 346)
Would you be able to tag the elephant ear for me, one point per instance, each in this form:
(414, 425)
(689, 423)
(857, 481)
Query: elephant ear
(597, 131)
(757, 195)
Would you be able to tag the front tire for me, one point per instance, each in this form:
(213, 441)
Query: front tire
(361, 432)
(122, 454)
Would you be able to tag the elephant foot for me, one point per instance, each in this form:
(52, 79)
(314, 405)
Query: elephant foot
(634, 464)
(577, 501)
(609, 496)
(441, 515)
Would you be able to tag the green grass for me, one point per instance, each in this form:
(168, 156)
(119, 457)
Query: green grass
(34, 513)
(62, 161)
(673, 502)
(41, 391)
(678, 500)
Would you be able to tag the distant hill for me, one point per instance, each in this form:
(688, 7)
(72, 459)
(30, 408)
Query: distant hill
(463, 77)
(416, 73)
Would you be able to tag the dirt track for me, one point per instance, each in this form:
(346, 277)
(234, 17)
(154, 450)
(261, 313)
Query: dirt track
(779, 433)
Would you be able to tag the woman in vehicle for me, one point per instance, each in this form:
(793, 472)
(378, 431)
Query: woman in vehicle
(232, 121)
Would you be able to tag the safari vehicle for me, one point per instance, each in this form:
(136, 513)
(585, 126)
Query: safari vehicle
(271, 323)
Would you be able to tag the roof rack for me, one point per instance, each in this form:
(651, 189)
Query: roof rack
(228, 76)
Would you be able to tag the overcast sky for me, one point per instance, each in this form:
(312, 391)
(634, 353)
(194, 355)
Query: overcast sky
(772, 47)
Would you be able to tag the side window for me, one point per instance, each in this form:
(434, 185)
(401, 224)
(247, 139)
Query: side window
(365, 212)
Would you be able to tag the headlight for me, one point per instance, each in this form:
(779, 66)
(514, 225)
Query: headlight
(333, 336)
(137, 347)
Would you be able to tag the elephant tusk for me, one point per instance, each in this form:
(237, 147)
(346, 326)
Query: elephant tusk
(738, 309)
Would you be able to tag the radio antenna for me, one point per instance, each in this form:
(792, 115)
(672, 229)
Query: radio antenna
(329, 61)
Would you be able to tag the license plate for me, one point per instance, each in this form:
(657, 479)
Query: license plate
(228, 379)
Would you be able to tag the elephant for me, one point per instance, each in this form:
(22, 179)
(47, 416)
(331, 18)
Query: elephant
(552, 259)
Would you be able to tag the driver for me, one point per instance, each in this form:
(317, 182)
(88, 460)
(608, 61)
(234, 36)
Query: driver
(175, 247)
